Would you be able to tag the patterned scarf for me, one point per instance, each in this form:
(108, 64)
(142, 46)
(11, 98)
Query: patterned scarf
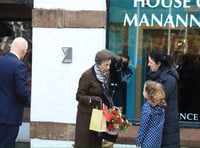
(101, 76)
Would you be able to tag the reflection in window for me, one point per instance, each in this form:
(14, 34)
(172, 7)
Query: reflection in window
(185, 53)
(181, 42)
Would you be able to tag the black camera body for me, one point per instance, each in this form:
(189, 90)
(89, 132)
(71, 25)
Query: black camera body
(119, 64)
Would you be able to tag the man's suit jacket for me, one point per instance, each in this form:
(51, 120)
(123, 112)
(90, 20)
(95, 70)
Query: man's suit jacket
(14, 93)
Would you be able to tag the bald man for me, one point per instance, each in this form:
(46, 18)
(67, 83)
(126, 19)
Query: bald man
(14, 92)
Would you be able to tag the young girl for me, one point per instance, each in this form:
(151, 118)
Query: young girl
(152, 116)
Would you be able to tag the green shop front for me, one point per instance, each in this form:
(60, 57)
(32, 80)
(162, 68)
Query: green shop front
(137, 27)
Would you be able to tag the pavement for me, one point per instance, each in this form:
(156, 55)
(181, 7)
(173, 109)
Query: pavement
(27, 145)
(190, 137)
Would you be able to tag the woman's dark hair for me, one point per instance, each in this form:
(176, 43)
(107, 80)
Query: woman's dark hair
(162, 57)
(103, 55)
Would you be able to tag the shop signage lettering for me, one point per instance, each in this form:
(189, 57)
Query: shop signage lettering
(160, 21)
(189, 117)
(164, 3)
(158, 18)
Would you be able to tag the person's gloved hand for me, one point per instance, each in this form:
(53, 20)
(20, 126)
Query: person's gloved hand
(111, 104)
(95, 100)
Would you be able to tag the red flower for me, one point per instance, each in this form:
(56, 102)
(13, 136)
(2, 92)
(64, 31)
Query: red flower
(119, 120)
(111, 127)
(124, 124)
(114, 112)
(112, 117)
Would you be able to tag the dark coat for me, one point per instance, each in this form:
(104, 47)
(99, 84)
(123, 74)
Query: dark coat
(171, 132)
(14, 91)
(88, 86)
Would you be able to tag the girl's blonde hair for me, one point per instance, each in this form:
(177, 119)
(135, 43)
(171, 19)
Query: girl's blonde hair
(155, 93)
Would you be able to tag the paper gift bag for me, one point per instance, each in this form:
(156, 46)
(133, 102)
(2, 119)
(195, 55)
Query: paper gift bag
(97, 121)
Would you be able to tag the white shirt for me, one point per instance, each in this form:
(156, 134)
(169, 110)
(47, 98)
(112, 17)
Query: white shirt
(15, 54)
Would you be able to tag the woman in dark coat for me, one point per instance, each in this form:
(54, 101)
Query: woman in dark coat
(162, 71)
(89, 95)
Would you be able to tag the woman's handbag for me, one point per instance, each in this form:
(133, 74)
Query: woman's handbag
(97, 121)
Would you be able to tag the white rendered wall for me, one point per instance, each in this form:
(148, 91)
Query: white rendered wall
(71, 4)
(54, 84)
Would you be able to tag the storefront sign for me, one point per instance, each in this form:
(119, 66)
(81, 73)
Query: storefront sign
(189, 117)
(166, 17)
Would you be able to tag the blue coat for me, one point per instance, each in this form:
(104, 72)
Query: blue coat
(151, 126)
(168, 78)
(14, 93)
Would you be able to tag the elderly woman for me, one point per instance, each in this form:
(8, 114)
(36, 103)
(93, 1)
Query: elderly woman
(93, 86)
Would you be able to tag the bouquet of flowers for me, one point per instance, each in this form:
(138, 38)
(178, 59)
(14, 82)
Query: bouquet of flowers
(116, 122)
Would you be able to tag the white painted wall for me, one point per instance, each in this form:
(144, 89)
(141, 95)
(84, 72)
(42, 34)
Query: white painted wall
(71, 4)
(54, 84)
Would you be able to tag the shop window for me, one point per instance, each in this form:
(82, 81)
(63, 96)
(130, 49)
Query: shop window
(131, 30)
(186, 58)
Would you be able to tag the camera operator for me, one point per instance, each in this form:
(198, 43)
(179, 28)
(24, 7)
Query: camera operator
(119, 76)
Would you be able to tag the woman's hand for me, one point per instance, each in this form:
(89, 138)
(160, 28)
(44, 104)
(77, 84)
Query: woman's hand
(95, 100)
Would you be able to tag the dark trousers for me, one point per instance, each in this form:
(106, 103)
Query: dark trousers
(8, 135)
